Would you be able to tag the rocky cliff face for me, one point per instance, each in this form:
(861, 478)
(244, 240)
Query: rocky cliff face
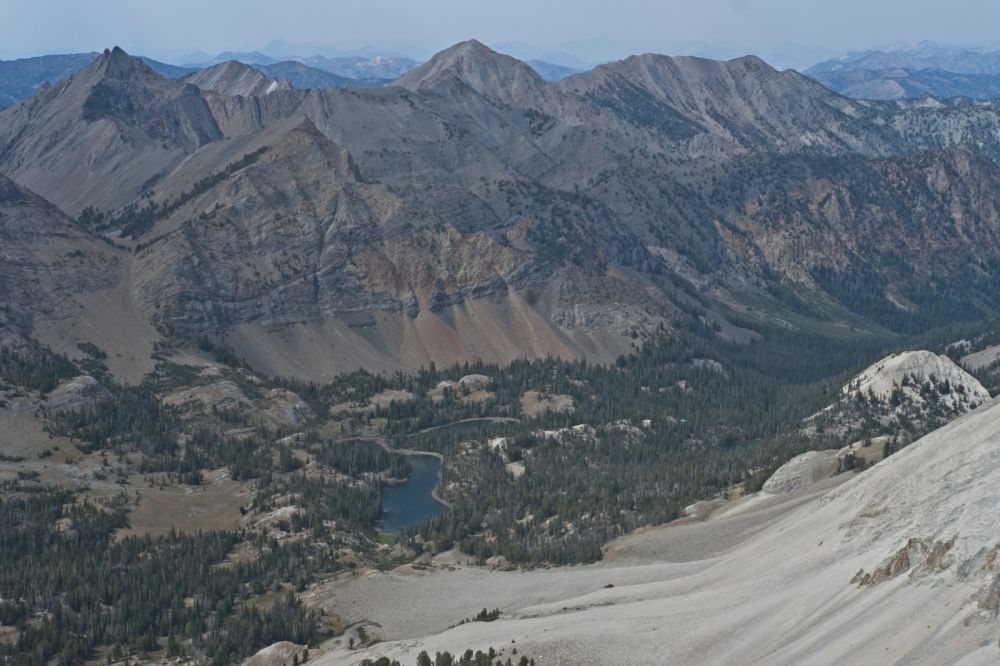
(297, 241)
(813, 220)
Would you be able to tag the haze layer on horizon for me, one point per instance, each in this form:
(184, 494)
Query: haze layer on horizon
(791, 33)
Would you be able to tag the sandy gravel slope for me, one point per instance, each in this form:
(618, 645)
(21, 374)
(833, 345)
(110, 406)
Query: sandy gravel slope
(900, 564)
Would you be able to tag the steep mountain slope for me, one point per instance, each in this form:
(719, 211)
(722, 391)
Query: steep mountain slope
(117, 117)
(47, 259)
(460, 141)
(720, 107)
(897, 565)
(64, 286)
(235, 78)
(855, 228)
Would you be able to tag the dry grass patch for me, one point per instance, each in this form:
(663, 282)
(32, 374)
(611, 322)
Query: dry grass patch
(214, 505)
(536, 403)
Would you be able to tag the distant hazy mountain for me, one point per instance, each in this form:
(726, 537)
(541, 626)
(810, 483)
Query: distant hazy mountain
(925, 69)
(357, 67)
(303, 76)
(284, 50)
(550, 71)
(234, 77)
(926, 55)
(166, 70)
(248, 57)
(19, 79)
(550, 54)
(907, 83)
(367, 65)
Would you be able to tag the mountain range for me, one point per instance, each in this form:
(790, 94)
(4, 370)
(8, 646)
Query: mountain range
(927, 69)
(550, 71)
(374, 66)
(20, 79)
(925, 55)
(473, 210)
(900, 83)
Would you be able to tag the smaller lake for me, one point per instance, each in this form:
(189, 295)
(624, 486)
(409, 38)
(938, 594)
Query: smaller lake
(412, 501)
(469, 426)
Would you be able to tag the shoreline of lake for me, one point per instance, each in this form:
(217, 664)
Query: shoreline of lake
(412, 495)
(485, 420)
(440, 474)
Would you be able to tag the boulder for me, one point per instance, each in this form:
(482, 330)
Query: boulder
(77, 393)
(802, 471)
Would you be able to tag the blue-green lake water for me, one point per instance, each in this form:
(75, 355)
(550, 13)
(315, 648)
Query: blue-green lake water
(412, 501)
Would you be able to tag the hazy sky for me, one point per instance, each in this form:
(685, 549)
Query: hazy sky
(786, 32)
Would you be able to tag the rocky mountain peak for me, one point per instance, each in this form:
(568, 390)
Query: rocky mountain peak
(687, 80)
(117, 64)
(494, 75)
(912, 392)
(909, 373)
(744, 101)
(116, 115)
